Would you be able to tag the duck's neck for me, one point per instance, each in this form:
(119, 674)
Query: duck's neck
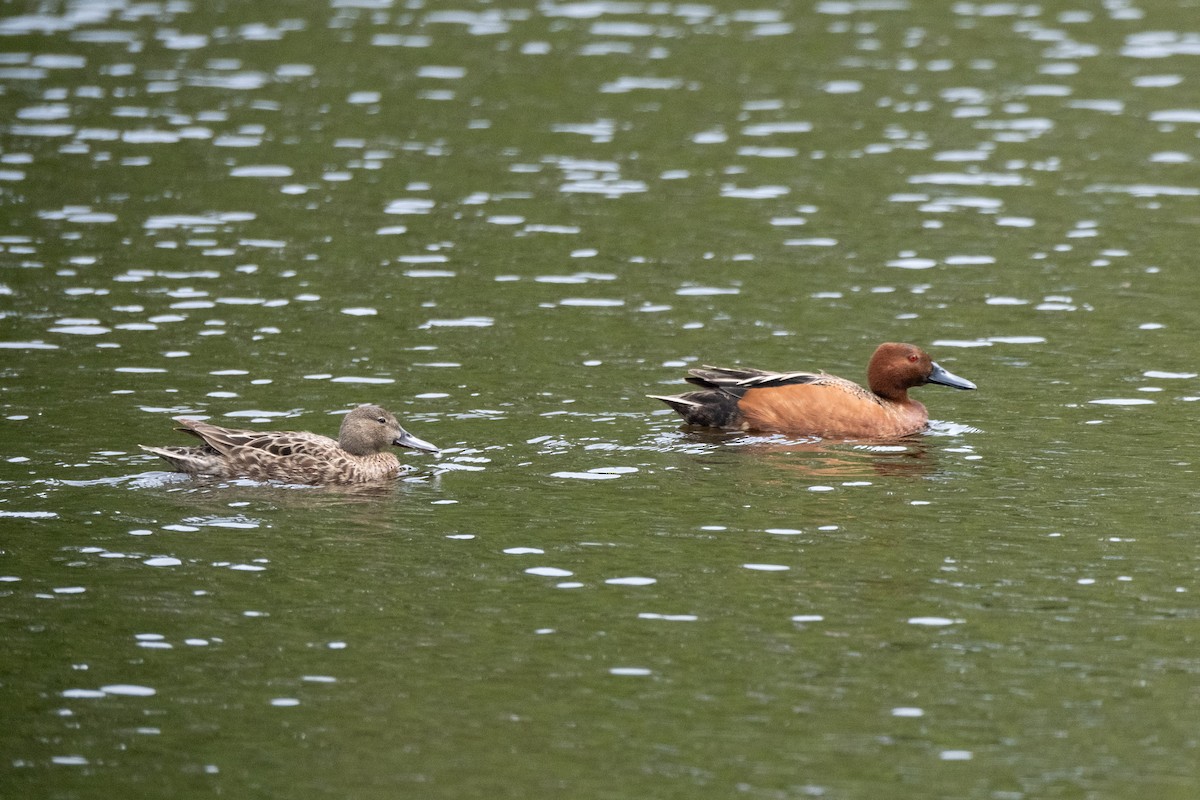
(891, 394)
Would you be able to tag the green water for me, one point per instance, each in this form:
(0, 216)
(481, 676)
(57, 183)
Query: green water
(508, 224)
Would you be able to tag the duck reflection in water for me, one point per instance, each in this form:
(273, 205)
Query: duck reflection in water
(908, 456)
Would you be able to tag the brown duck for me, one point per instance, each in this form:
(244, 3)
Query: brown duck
(815, 403)
(359, 455)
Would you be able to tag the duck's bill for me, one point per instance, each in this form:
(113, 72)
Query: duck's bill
(947, 378)
(406, 439)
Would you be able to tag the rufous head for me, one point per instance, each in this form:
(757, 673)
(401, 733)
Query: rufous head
(896, 367)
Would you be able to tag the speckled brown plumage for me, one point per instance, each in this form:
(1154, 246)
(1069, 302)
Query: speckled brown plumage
(814, 403)
(360, 454)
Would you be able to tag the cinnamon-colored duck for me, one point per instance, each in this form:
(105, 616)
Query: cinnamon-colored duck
(814, 403)
(360, 454)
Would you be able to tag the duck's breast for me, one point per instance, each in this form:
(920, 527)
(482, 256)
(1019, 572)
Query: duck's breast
(346, 468)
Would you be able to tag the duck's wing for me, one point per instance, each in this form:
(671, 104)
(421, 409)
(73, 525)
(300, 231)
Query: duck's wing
(742, 380)
(281, 444)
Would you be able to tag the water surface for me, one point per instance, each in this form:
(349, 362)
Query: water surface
(509, 223)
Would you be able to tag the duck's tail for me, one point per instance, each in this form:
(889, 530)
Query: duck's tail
(706, 409)
(680, 403)
(192, 460)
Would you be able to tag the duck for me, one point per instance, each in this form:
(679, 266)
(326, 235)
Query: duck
(815, 403)
(360, 454)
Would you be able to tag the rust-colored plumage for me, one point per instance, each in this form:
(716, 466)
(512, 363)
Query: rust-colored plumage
(360, 454)
(814, 403)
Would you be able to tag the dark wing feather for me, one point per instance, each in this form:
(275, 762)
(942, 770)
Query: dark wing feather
(739, 381)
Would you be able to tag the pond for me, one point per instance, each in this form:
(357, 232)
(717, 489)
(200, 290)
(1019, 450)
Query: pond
(509, 223)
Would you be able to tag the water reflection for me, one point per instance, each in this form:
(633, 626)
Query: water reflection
(813, 458)
(204, 490)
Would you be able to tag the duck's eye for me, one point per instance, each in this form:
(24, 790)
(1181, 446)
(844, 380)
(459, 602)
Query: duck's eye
(913, 358)
(381, 421)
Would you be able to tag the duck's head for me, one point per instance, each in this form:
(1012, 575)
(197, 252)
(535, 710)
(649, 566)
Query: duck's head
(895, 368)
(372, 429)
